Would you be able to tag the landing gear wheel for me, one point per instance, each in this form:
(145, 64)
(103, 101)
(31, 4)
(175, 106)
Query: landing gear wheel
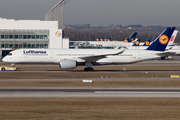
(91, 69)
(88, 69)
(2, 69)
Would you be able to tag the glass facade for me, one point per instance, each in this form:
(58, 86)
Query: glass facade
(24, 38)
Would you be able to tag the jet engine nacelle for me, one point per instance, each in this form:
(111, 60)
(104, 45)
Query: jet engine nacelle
(67, 64)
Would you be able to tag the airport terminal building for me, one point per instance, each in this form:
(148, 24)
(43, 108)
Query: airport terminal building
(16, 34)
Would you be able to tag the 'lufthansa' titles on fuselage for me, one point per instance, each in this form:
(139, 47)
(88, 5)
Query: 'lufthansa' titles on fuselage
(32, 52)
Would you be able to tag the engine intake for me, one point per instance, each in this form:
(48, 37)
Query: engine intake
(67, 64)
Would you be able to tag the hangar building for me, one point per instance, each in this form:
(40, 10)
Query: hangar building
(30, 34)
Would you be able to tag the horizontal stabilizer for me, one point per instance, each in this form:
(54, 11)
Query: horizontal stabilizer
(166, 54)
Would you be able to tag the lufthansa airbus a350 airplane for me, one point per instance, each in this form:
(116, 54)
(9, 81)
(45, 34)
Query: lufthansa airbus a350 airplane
(71, 58)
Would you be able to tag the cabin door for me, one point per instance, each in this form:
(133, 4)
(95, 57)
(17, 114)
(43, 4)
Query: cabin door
(51, 54)
(20, 54)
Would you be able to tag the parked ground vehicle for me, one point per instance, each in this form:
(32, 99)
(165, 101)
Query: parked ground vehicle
(3, 68)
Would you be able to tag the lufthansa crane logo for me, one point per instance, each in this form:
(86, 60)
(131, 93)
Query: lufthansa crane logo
(58, 34)
(164, 39)
(126, 41)
(147, 43)
(137, 42)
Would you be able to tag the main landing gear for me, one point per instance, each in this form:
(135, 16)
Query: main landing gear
(89, 66)
(88, 69)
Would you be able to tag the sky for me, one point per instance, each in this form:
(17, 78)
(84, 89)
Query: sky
(99, 12)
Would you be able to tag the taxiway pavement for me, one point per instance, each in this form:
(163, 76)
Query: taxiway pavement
(90, 92)
(90, 79)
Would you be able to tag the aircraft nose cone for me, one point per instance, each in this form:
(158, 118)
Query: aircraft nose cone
(5, 59)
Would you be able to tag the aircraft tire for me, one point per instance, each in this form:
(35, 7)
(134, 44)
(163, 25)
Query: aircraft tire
(91, 69)
(88, 69)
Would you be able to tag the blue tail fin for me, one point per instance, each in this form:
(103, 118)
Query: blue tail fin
(133, 35)
(136, 42)
(162, 40)
(127, 40)
(147, 43)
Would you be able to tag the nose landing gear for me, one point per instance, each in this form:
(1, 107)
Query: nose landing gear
(13, 65)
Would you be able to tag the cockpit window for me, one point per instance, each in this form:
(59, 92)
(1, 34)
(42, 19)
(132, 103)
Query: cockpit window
(10, 54)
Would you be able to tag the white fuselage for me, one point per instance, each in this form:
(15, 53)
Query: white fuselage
(175, 49)
(53, 56)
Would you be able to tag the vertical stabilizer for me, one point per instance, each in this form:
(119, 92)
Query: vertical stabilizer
(173, 37)
(162, 40)
(136, 42)
(131, 37)
(147, 43)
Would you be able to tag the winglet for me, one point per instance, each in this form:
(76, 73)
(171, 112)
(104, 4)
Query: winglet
(123, 49)
(162, 40)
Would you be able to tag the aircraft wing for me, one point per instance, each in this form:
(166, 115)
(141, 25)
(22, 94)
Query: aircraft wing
(100, 56)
